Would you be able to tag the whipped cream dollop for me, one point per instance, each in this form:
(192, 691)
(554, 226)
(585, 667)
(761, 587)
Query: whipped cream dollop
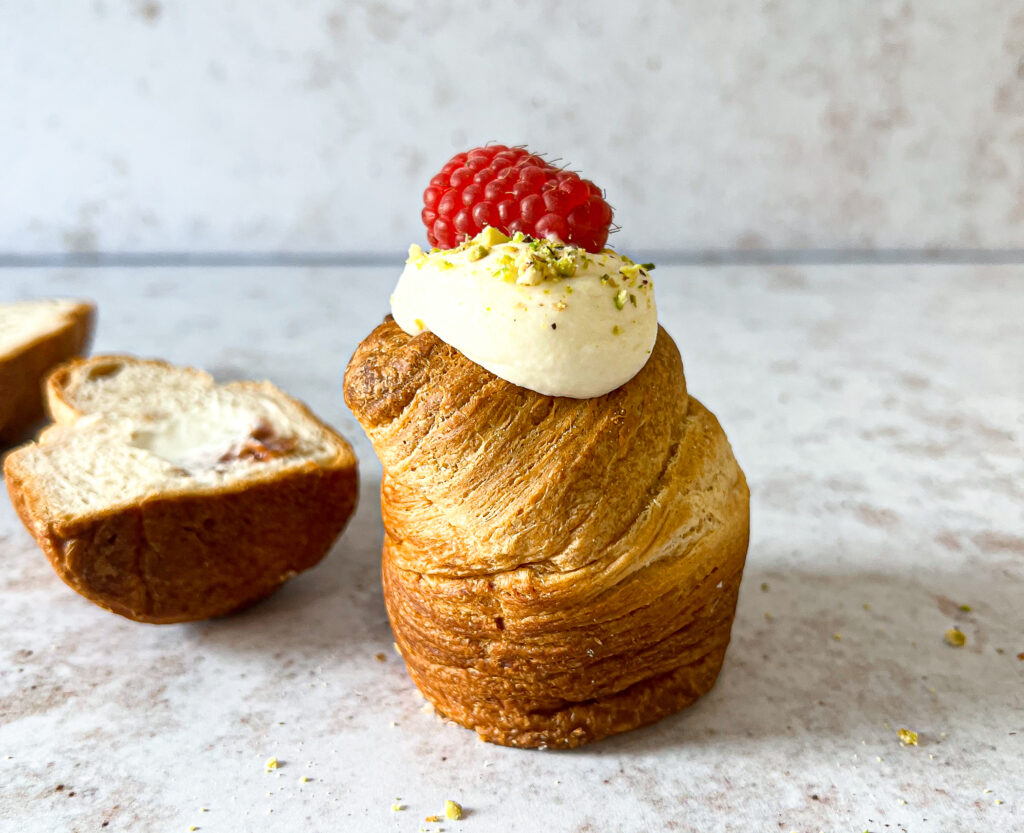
(542, 315)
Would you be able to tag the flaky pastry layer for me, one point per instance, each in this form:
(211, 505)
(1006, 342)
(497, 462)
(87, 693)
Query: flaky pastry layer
(555, 570)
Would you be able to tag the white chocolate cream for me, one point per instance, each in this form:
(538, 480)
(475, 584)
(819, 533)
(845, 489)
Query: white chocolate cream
(552, 318)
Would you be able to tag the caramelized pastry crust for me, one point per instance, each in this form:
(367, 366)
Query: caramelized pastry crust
(555, 570)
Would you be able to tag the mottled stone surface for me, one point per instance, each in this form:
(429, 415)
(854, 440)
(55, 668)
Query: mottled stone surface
(878, 414)
(148, 125)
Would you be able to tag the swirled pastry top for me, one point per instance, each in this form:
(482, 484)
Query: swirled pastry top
(556, 319)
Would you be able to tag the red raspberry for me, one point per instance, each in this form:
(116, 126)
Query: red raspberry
(513, 190)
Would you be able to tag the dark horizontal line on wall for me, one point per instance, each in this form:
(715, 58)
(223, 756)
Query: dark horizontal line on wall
(699, 257)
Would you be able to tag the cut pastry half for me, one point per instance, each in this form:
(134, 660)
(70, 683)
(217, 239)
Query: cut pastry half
(164, 497)
(35, 337)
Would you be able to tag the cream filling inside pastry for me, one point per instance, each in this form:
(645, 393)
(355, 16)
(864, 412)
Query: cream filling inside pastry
(552, 318)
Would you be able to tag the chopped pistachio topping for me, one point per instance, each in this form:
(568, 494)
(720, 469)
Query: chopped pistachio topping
(907, 737)
(453, 810)
(531, 262)
(490, 236)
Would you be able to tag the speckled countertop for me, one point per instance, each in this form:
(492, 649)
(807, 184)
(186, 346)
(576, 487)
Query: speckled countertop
(879, 414)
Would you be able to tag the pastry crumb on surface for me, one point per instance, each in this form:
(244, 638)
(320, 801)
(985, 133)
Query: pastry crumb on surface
(907, 737)
(380, 657)
(272, 764)
(397, 808)
(764, 587)
(432, 819)
(965, 608)
(453, 810)
(837, 637)
(956, 638)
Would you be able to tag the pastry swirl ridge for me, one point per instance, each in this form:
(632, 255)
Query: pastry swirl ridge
(555, 570)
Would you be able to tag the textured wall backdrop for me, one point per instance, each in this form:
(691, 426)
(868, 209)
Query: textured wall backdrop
(183, 125)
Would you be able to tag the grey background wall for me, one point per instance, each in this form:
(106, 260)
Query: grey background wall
(253, 127)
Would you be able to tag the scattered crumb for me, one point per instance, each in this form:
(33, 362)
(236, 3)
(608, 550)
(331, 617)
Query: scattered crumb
(903, 801)
(380, 657)
(192, 828)
(1020, 656)
(453, 810)
(433, 819)
(397, 808)
(203, 810)
(303, 780)
(999, 801)
(907, 737)
(867, 606)
(987, 792)
(837, 636)
(767, 616)
(955, 637)
(878, 758)
(392, 724)
(764, 587)
(965, 608)
(272, 764)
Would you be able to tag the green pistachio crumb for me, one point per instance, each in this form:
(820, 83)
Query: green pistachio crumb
(490, 236)
(620, 298)
(565, 267)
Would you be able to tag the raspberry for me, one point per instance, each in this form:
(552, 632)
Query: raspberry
(513, 190)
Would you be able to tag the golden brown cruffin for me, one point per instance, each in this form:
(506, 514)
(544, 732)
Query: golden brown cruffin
(555, 570)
